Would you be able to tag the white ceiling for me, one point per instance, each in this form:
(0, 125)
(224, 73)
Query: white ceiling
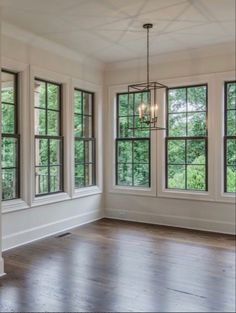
(111, 30)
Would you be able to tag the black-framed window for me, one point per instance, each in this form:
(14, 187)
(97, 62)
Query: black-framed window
(10, 136)
(186, 141)
(133, 146)
(48, 137)
(84, 136)
(230, 137)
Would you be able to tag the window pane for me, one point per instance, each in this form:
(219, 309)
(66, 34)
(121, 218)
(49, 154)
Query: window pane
(231, 179)
(8, 118)
(87, 104)
(41, 152)
(55, 152)
(196, 151)
(123, 130)
(196, 177)
(88, 150)
(123, 109)
(9, 184)
(79, 176)
(141, 175)
(124, 174)
(40, 94)
(138, 99)
(197, 124)
(78, 101)
(231, 96)
(176, 151)
(9, 152)
(141, 151)
(176, 176)
(41, 180)
(231, 152)
(78, 125)
(79, 151)
(53, 96)
(53, 123)
(231, 123)
(177, 100)
(87, 131)
(7, 87)
(138, 133)
(196, 98)
(124, 151)
(88, 174)
(177, 125)
(40, 121)
(55, 178)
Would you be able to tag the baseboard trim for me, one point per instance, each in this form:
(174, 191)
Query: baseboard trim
(30, 235)
(173, 221)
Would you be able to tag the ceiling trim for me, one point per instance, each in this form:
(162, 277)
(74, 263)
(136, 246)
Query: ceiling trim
(227, 48)
(34, 40)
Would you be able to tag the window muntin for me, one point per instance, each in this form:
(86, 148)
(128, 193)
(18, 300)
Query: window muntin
(186, 141)
(48, 138)
(85, 142)
(132, 145)
(10, 137)
(230, 138)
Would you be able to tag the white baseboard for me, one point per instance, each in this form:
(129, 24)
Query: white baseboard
(174, 221)
(36, 233)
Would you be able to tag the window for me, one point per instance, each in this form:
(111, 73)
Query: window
(85, 160)
(48, 138)
(132, 145)
(186, 141)
(10, 137)
(230, 137)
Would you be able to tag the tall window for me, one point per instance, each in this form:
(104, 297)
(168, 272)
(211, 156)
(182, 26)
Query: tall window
(10, 137)
(186, 142)
(48, 138)
(230, 137)
(132, 145)
(85, 160)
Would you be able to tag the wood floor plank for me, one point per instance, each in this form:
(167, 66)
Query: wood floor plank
(116, 266)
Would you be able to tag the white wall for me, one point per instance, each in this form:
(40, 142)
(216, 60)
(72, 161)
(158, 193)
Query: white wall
(31, 219)
(212, 211)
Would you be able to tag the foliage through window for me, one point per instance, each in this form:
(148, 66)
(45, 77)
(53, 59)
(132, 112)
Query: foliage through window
(186, 141)
(10, 137)
(132, 145)
(85, 161)
(48, 138)
(230, 137)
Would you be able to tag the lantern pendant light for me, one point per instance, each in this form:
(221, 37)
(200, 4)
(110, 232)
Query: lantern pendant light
(147, 107)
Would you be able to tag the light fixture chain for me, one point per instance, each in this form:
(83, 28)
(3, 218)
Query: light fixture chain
(148, 56)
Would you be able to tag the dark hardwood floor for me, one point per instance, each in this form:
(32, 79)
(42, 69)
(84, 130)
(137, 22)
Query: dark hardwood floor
(122, 266)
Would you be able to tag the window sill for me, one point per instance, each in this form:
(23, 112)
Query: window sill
(49, 199)
(13, 205)
(227, 197)
(186, 195)
(137, 191)
(87, 191)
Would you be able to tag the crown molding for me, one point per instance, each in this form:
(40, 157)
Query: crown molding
(31, 39)
(227, 48)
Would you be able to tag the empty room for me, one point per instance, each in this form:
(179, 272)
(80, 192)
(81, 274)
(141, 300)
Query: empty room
(118, 155)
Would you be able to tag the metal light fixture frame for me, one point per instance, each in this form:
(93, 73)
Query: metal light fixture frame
(147, 122)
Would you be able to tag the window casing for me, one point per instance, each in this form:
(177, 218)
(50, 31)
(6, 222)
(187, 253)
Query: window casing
(10, 136)
(187, 141)
(133, 146)
(230, 137)
(48, 137)
(84, 139)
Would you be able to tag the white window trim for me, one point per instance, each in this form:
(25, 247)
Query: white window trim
(113, 91)
(98, 112)
(65, 82)
(22, 70)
